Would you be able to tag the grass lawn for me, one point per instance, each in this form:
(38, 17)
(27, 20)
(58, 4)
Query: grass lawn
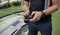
(55, 23)
(10, 10)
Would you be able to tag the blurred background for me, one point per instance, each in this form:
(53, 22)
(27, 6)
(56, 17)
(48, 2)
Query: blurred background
(9, 7)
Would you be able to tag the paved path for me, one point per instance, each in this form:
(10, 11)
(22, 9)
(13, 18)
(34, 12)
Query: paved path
(6, 21)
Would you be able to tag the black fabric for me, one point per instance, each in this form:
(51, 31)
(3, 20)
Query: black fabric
(37, 5)
(27, 0)
(50, 2)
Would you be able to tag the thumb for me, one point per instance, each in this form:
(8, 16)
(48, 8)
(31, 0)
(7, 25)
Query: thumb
(33, 13)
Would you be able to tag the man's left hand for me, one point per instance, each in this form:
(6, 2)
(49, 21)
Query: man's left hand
(37, 16)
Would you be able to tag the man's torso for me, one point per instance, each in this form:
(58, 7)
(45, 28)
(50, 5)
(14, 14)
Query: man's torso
(38, 5)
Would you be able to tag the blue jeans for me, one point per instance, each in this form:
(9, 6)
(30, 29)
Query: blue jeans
(45, 28)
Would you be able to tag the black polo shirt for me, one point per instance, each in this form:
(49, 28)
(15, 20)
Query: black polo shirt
(38, 5)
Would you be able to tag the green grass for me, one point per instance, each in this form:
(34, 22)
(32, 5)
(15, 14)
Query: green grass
(55, 23)
(10, 10)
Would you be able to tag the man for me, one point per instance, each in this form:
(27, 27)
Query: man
(42, 18)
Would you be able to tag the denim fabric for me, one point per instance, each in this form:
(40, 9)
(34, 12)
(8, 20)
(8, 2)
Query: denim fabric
(44, 28)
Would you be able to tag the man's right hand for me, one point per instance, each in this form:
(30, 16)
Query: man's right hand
(26, 14)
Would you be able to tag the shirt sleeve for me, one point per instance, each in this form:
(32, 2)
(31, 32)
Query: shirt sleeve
(27, 0)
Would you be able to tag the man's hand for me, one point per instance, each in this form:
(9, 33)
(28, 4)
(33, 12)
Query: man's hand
(26, 13)
(37, 16)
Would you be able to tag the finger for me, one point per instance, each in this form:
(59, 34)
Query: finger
(36, 17)
(26, 13)
(33, 13)
(33, 19)
(25, 19)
